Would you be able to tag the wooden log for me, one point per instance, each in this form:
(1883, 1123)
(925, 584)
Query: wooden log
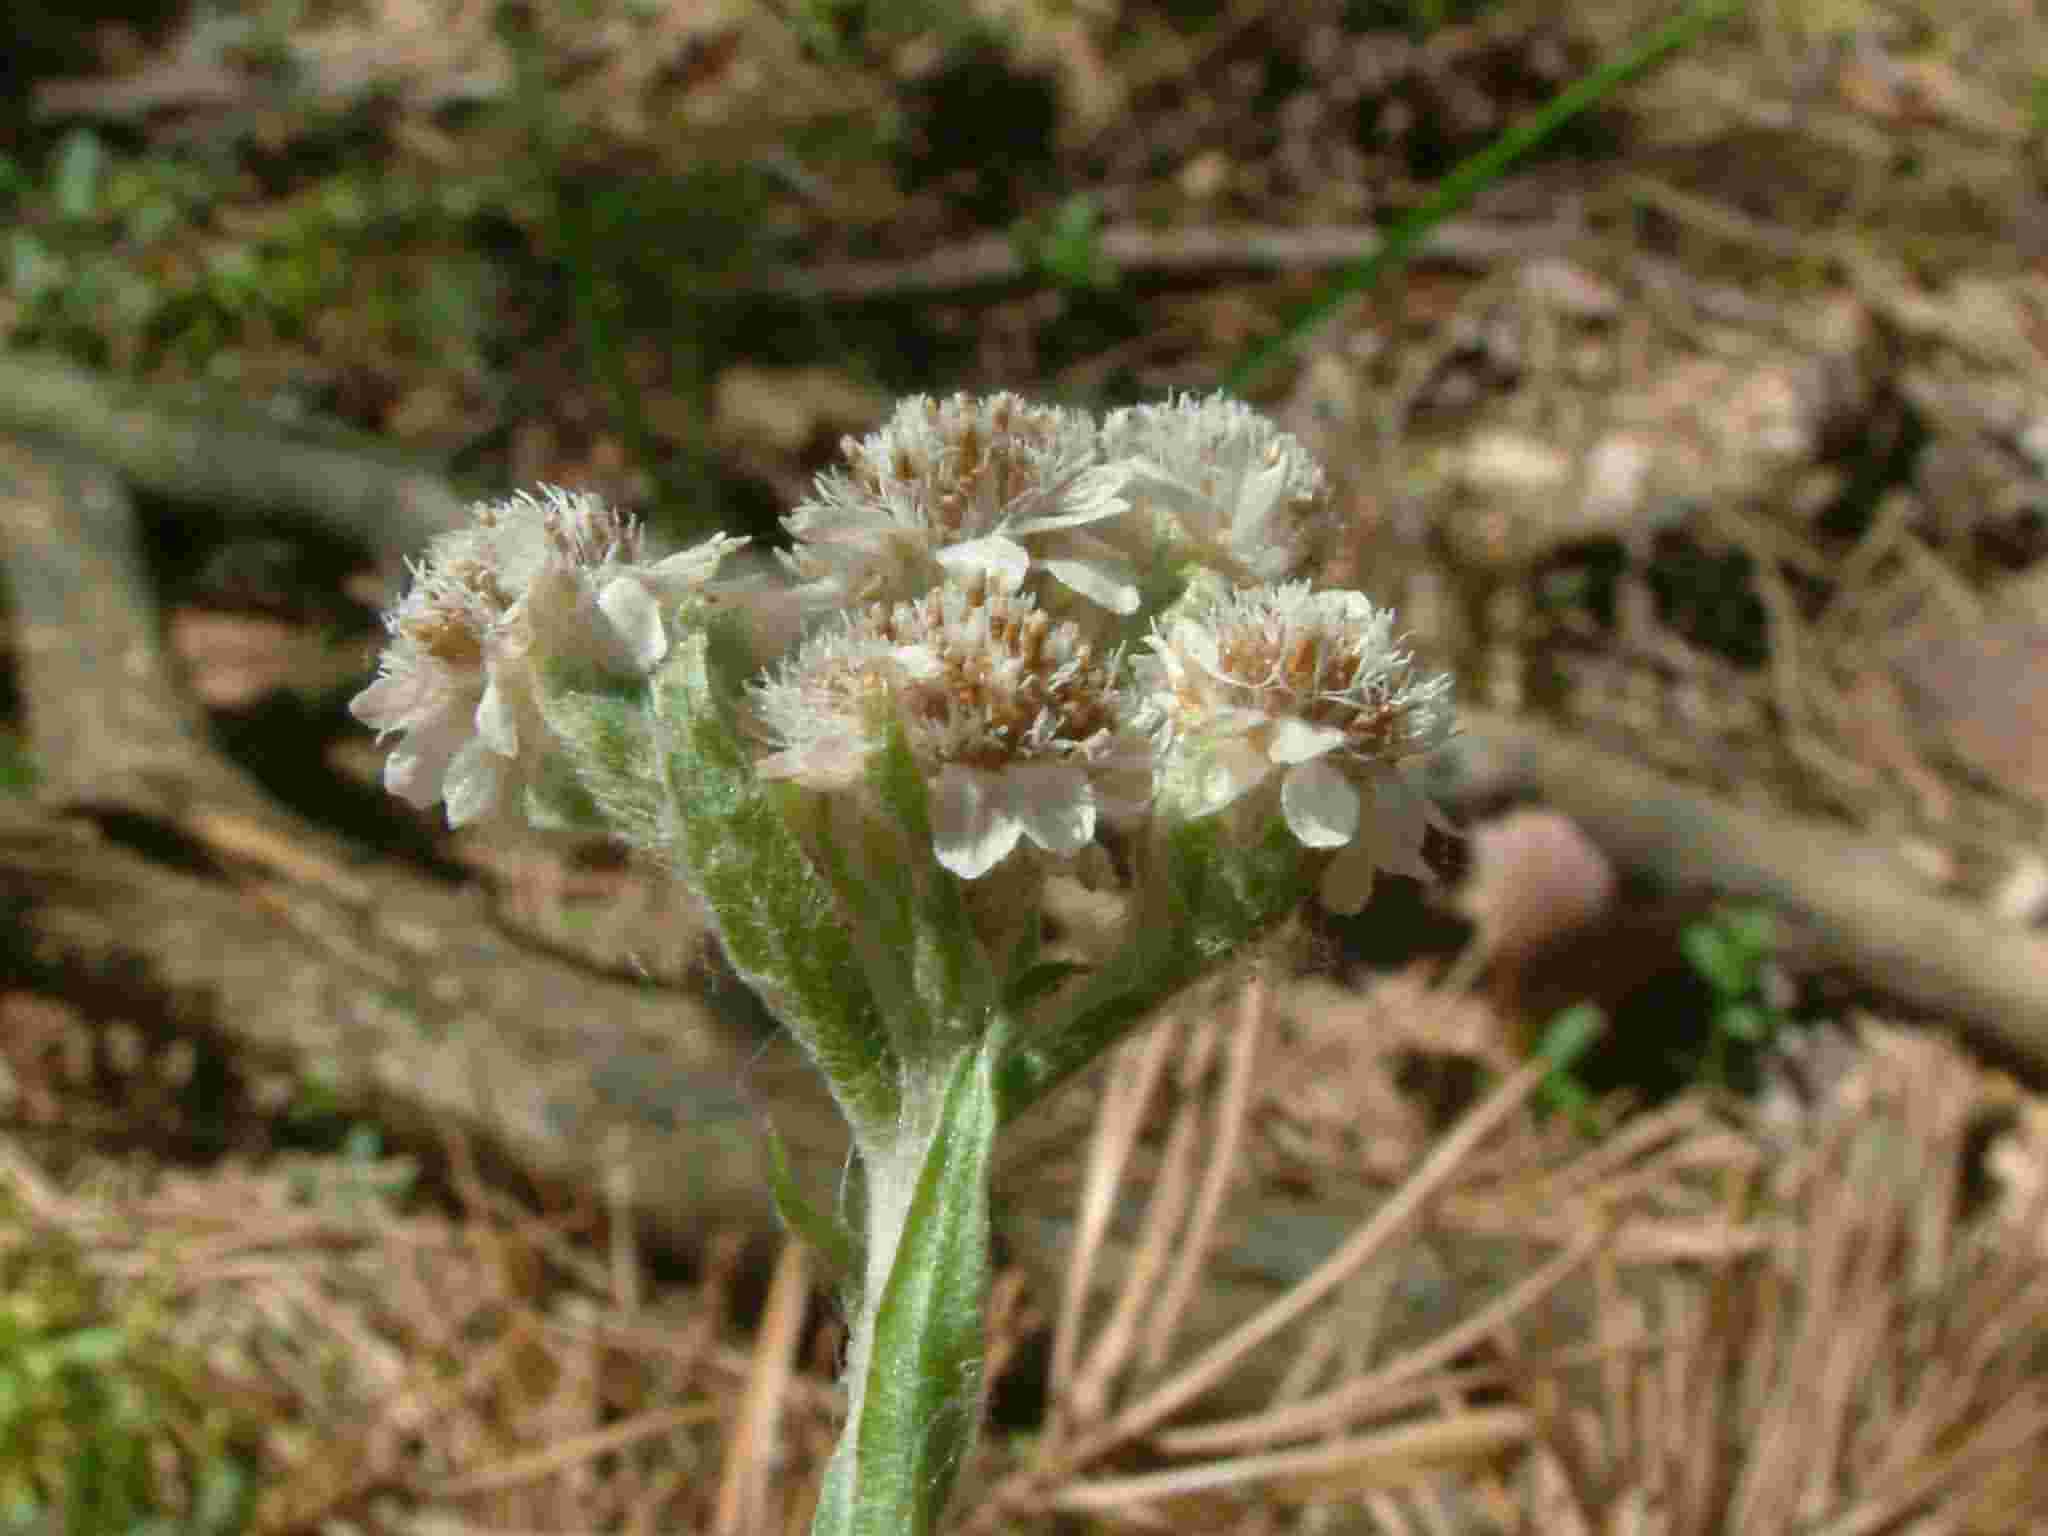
(1852, 903)
(202, 448)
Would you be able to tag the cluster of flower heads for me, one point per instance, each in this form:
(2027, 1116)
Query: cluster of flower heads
(1068, 621)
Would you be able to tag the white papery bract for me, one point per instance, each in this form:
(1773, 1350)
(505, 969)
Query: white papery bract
(533, 580)
(1310, 690)
(996, 486)
(1224, 487)
(1019, 727)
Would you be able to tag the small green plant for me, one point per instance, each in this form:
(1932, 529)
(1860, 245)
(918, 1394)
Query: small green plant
(1565, 1039)
(1729, 950)
(106, 1427)
(17, 768)
(1065, 246)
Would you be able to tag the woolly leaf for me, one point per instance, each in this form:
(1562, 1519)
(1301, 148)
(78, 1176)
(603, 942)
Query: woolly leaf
(779, 922)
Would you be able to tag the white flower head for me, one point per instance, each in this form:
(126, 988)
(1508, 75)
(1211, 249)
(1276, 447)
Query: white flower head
(1309, 688)
(594, 594)
(1021, 729)
(531, 578)
(995, 485)
(1226, 488)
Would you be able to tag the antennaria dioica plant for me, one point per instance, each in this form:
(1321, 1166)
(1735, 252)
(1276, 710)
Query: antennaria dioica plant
(1006, 639)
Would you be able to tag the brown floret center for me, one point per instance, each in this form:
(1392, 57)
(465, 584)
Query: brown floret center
(1028, 672)
(1314, 676)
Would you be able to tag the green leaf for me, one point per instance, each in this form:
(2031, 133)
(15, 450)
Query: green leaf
(1569, 1036)
(1212, 898)
(75, 178)
(783, 930)
(951, 970)
(609, 773)
(1716, 959)
(1564, 1041)
(1750, 931)
(920, 1397)
(875, 893)
(830, 1237)
(1066, 245)
(1742, 1021)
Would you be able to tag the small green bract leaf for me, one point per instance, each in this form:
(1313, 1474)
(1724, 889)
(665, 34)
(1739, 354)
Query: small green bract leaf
(1039, 981)
(952, 973)
(838, 1246)
(1569, 1036)
(1216, 897)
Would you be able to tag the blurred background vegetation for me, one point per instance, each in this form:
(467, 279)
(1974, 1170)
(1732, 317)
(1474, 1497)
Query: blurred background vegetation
(531, 240)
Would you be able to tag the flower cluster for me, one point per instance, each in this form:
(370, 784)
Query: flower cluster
(960, 526)
(1004, 629)
(1066, 620)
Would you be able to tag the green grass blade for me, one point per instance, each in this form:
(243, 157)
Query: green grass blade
(1471, 178)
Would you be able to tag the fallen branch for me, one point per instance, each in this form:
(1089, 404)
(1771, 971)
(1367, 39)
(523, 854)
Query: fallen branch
(989, 261)
(1853, 904)
(224, 455)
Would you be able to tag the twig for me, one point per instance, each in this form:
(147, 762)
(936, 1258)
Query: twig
(1217, 1361)
(1343, 1468)
(221, 454)
(1118, 1338)
(1232, 1112)
(1363, 1395)
(750, 1450)
(1116, 1134)
(550, 1459)
(989, 261)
